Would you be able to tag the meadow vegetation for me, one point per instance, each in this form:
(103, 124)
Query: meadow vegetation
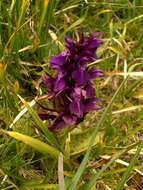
(103, 152)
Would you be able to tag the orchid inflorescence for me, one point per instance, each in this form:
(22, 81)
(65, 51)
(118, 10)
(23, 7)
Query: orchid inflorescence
(71, 89)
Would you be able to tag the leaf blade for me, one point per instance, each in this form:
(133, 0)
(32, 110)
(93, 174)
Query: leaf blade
(35, 143)
(48, 134)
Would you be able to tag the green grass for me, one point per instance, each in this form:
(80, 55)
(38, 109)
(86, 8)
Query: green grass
(30, 33)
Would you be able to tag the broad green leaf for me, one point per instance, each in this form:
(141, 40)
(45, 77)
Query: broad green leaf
(79, 141)
(35, 143)
(39, 186)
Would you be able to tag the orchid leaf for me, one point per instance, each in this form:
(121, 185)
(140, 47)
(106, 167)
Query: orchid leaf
(83, 139)
(35, 143)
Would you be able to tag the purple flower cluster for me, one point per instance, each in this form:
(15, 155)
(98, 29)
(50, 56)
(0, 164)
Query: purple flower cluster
(71, 89)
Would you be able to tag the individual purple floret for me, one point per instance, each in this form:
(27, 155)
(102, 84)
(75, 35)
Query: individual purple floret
(71, 89)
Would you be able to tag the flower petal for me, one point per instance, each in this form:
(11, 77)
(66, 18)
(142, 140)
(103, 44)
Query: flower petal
(69, 40)
(43, 116)
(80, 76)
(69, 119)
(82, 39)
(59, 60)
(76, 107)
(94, 43)
(59, 85)
(60, 125)
(49, 82)
(95, 72)
(89, 105)
(90, 91)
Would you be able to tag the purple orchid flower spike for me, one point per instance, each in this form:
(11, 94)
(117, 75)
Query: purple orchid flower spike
(72, 90)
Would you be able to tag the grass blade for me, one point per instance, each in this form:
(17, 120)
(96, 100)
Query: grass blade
(132, 133)
(21, 113)
(19, 28)
(93, 180)
(130, 167)
(76, 23)
(134, 85)
(84, 161)
(45, 5)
